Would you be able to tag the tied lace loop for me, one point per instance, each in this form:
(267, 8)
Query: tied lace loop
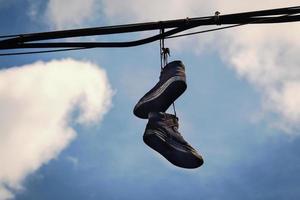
(164, 53)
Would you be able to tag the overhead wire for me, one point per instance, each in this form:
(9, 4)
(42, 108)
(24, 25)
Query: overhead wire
(203, 31)
(227, 27)
(8, 36)
(44, 51)
(94, 44)
(236, 18)
(239, 19)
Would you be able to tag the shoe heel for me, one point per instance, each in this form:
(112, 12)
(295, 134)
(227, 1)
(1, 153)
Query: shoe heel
(171, 93)
(163, 97)
(175, 90)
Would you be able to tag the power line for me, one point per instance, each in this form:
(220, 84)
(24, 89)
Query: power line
(237, 18)
(204, 31)
(38, 52)
(33, 40)
(8, 36)
(261, 20)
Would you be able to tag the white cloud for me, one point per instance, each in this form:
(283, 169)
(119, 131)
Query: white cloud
(69, 13)
(172, 9)
(265, 55)
(133, 10)
(37, 103)
(4, 193)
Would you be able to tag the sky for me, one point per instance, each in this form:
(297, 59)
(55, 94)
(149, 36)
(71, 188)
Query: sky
(67, 129)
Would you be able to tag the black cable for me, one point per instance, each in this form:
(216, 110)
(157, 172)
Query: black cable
(290, 15)
(269, 19)
(237, 18)
(78, 46)
(8, 36)
(30, 37)
(259, 20)
(204, 31)
(127, 44)
(135, 42)
(97, 44)
(37, 52)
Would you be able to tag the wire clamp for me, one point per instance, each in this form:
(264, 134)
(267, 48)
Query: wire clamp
(217, 18)
(165, 52)
(187, 21)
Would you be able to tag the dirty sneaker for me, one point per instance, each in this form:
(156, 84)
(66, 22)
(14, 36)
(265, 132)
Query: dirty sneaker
(172, 83)
(162, 135)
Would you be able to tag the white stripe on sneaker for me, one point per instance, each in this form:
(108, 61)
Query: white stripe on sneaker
(160, 90)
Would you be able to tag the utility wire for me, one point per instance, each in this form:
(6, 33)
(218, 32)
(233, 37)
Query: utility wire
(8, 36)
(44, 51)
(132, 43)
(8, 44)
(290, 14)
(237, 18)
(204, 31)
(93, 44)
(227, 27)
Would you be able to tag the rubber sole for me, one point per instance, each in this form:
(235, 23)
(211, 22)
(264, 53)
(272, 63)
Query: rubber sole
(162, 98)
(178, 157)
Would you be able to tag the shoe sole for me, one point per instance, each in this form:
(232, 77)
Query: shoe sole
(162, 98)
(172, 152)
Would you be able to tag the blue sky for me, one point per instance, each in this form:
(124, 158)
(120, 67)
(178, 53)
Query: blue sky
(240, 110)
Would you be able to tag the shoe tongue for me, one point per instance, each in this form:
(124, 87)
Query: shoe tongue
(172, 120)
(170, 116)
(163, 116)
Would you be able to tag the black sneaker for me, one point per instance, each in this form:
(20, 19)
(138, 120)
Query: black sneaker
(172, 83)
(161, 134)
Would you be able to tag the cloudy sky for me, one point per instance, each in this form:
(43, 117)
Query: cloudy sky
(66, 125)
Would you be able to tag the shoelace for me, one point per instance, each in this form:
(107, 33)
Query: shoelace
(164, 53)
(173, 124)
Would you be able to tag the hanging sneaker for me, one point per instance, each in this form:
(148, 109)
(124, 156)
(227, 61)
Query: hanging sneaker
(162, 135)
(172, 83)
